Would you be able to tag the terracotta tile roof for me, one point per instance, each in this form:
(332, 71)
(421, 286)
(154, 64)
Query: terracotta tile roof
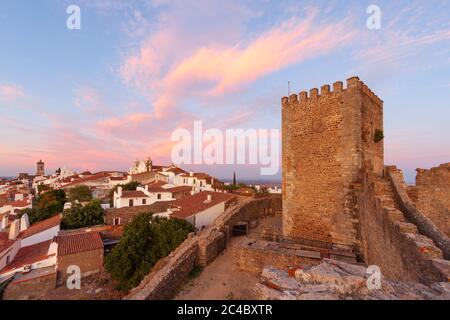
(180, 189)
(133, 194)
(40, 226)
(19, 203)
(198, 175)
(194, 204)
(78, 242)
(29, 255)
(157, 186)
(118, 178)
(5, 243)
(176, 170)
(93, 177)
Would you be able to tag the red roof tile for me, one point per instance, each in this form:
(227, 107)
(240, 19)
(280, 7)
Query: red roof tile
(29, 255)
(176, 170)
(40, 226)
(157, 186)
(79, 242)
(19, 203)
(118, 178)
(93, 177)
(5, 243)
(179, 189)
(194, 204)
(133, 194)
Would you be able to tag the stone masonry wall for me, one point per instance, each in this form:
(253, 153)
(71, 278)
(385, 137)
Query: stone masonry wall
(391, 242)
(31, 289)
(253, 255)
(170, 272)
(326, 139)
(89, 262)
(432, 195)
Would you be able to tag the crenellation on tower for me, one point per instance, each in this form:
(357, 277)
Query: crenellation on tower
(293, 98)
(353, 82)
(338, 86)
(327, 138)
(303, 97)
(314, 93)
(325, 90)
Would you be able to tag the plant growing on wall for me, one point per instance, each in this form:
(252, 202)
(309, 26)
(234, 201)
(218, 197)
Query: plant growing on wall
(378, 136)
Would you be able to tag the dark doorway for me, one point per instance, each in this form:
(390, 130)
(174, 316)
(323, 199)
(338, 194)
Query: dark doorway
(240, 229)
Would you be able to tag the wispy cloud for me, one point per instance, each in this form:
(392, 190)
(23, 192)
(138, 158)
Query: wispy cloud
(220, 67)
(11, 92)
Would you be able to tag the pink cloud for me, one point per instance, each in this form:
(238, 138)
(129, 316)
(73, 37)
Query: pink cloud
(124, 123)
(10, 92)
(218, 68)
(229, 69)
(89, 100)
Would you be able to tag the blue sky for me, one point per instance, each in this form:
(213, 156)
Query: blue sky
(99, 97)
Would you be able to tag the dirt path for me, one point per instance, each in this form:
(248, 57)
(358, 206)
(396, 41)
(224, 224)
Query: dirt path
(219, 281)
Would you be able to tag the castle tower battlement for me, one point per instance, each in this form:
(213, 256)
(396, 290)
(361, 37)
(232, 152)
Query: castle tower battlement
(328, 135)
(325, 92)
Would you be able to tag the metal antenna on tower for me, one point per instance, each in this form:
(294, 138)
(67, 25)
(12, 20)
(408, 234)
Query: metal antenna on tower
(289, 88)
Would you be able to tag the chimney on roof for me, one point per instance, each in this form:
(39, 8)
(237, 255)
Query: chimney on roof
(14, 229)
(208, 198)
(191, 174)
(4, 222)
(146, 187)
(119, 191)
(24, 222)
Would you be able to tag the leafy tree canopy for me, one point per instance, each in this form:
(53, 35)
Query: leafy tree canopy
(80, 193)
(46, 206)
(145, 241)
(83, 216)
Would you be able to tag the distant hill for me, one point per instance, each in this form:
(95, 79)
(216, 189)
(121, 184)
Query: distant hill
(256, 182)
(7, 178)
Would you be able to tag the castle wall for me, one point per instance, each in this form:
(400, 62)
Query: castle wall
(432, 195)
(324, 149)
(390, 241)
(171, 272)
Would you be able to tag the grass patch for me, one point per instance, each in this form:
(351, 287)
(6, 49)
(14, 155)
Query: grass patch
(194, 273)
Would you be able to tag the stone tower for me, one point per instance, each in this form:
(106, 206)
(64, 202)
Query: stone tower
(327, 137)
(40, 168)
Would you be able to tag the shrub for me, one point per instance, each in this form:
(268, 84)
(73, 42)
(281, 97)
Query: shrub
(80, 193)
(81, 217)
(46, 206)
(378, 136)
(145, 241)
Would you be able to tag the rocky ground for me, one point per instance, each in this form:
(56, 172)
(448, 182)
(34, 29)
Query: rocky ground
(98, 286)
(335, 280)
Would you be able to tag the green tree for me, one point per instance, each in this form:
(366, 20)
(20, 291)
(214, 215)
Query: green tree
(83, 216)
(46, 206)
(80, 193)
(145, 241)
